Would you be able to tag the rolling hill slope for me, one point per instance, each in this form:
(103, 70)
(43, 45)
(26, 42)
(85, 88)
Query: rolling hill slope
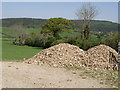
(102, 26)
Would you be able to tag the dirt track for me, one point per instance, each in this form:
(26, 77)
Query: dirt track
(21, 75)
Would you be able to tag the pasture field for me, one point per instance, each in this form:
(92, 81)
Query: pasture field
(12, 52)
(8, 32)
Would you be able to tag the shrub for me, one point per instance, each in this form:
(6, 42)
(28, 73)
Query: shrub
(113, 40)
(58, 42)
(20, 40)
(44, 40)
(29, 42)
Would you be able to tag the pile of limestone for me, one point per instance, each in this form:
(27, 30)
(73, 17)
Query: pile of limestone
(59, 55)
(66, 55)
(102, 57)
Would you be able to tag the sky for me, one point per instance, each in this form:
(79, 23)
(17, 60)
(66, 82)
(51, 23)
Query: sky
(108, 11)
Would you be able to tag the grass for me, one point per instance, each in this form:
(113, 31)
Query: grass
(11, 31)
(69, 34)
(12, 52)
(108, 77)
(34, 30)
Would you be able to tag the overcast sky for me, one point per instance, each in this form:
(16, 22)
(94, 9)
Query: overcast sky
(107, 10)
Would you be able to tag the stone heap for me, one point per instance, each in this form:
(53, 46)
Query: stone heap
(66, 55)
(59, 55)
(102, 57)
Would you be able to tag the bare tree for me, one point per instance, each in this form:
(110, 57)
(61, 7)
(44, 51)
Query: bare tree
(86, 13)
(19, 33)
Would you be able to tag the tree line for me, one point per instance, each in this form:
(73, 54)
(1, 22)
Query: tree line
(49, 35)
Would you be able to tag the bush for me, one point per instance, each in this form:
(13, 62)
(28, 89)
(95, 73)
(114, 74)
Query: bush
(58, 42)
(48, 40)
(20, 40)
(29, 42)
(83, 43)
(113, 40)
(71, 40)
(40, 40)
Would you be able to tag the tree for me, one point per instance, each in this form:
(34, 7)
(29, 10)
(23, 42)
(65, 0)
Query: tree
(19, 33)
(86, 13)
(55, 25)
(113, 40)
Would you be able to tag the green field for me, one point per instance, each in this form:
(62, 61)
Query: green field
(8, 32)
(12, 52)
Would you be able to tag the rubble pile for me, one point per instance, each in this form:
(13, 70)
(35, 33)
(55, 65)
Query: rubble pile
(66, 55)
(59, 55)
(102, 56)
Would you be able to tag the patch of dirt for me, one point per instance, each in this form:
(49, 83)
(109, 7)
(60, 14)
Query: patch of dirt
(21, 75)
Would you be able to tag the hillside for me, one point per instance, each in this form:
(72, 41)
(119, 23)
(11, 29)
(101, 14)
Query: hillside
(103, 26)
(25, 22)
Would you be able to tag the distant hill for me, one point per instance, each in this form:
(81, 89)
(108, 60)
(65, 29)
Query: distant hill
(103, 26)
(25, 22)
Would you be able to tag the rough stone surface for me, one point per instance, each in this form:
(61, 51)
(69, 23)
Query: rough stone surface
(65, 55)
(102, 56)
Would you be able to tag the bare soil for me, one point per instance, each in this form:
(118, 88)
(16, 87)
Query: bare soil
(22, 75)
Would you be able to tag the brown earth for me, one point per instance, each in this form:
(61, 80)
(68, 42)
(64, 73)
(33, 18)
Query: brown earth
(22, 75)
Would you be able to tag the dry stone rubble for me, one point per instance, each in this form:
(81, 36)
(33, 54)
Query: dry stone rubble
(66, 55)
